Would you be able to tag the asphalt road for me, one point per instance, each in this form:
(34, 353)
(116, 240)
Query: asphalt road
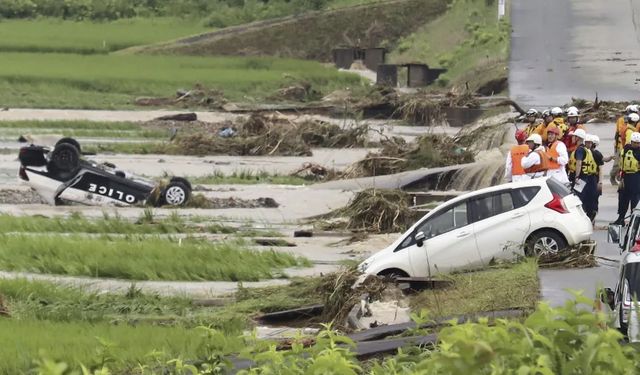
(574, 48)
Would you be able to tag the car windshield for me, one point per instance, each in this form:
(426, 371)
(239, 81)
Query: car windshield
(632, 275)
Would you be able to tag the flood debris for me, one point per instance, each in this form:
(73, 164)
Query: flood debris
(580, 256)
(599, 110)
(198, 96)
(202, 201)
(189, 116)
(397, 155)
(379, 211)
(315, 172)
(268, 134)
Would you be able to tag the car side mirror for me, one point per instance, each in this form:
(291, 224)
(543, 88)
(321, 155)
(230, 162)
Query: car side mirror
(613, 233)
(420, 239)
(607, 296)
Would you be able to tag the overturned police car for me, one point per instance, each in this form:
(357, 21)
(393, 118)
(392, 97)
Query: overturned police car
(61, 175)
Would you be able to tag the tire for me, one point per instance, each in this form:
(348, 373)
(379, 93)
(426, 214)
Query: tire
(392, 273)
(65, 157)
(176, 194)
(70, 141)
(544, 242)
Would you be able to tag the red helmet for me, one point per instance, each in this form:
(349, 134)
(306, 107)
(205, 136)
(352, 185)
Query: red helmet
(521, 136)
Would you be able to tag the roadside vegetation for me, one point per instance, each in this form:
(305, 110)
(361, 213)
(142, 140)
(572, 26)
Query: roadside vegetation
(467, 40)
(141, 258)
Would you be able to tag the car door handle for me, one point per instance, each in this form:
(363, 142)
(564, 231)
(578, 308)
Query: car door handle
(518, 214)
(463, 234)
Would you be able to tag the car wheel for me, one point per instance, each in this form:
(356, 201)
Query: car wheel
(176, 194)
(65, 157)
(70, 141)
(544, 242)
(393, 273)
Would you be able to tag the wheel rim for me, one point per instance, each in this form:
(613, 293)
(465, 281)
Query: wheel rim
(175, 195)
(545, 245)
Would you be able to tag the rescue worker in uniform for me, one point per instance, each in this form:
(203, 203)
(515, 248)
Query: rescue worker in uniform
(572, 120)
(583, 174)
(558, 119)
(547, 120)
(632, 127)
(630, 165)
(619, 141)
(513, 170)
(591, 143)
(558, 156)
(536, 163)
(531, 117)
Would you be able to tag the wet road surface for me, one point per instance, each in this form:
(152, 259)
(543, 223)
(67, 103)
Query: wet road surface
(574, 48)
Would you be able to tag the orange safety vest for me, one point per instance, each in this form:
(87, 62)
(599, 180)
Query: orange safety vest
(517, 153)
(544, 163)
(552, 151)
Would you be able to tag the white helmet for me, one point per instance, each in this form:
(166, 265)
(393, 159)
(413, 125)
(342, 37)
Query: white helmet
(596, 139)
(535, 138)
(572, 108)
(572, 113)
(590, 138)
(580, 133)
(532, 112)
(635, 137)
(557, 111)
(634, 117)
(632, 108)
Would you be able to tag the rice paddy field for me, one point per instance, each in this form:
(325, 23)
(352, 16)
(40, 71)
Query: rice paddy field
(60, 80)
(86, 37)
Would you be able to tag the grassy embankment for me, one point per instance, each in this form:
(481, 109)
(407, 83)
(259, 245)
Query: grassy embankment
(468, 40)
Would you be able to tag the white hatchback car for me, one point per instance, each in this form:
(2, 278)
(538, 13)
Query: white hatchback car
(468, 232)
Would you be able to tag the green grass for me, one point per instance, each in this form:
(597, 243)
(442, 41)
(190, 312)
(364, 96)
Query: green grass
(40, 300)
(516, 286)
(141, 258)
(98, 129)
(113, 81)
(85, 37)
(248, 177)
(467, 40)
(76, 223)
(122, 346)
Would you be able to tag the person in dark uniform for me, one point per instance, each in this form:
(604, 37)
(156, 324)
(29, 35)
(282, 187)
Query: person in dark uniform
(630, 165)
(583, 174)
(591, 142)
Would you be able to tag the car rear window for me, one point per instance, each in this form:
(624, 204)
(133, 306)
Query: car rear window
(522, 196)
(558, 188)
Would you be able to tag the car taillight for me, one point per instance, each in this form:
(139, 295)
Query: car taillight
(636, 247)
(557, 205)
(23, 174)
